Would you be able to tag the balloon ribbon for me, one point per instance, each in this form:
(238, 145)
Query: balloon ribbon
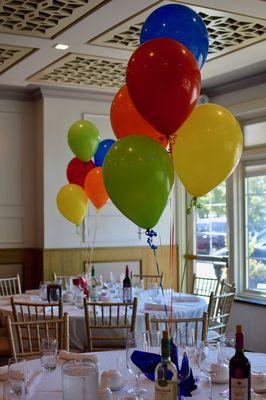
(151, 234)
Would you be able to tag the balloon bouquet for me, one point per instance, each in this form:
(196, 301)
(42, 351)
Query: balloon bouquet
(84, 176)
(157, 110)
(159, 127)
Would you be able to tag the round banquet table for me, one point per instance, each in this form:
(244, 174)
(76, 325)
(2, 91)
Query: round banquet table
(184, 306)
(43, 386)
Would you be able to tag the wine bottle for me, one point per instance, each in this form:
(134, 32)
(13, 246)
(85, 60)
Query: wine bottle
(93, 285)
(165, 373)
(239, 371)
(127, 287)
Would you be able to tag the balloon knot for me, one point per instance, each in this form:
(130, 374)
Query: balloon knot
(194, 204)
(151, 234)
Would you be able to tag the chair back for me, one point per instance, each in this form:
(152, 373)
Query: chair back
(219, 311)
(146, 279)
(10, 286)
(190, 329)
(23, 311)
(103, 319)
(25, 336)
(227, 287)
(204, 286)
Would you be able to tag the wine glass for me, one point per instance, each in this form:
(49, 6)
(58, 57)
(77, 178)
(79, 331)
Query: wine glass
(135, 341)
(209, 359)
(17, 375)
(154, 340)
(227, 352)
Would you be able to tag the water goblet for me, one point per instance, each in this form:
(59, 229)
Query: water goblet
(135, 341)
(227, 351)
(209, 359)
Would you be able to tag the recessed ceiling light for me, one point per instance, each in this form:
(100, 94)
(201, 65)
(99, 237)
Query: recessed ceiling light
(61, 46)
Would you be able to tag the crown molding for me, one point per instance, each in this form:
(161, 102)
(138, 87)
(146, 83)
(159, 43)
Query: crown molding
(233, 86)
(77, 93)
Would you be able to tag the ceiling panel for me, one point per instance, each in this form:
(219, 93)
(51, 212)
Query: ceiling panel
(11, 55)
(44, 18)
(227, 32)
(83, 70)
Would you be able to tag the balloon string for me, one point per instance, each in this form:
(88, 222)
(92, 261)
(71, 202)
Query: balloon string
(93, 239)
(151, 233)
(172, 139)
(193, 205)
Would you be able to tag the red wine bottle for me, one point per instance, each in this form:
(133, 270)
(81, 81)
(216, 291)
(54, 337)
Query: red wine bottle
(127, 288)
(239, 371)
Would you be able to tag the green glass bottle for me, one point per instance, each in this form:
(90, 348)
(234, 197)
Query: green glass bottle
(165, 373)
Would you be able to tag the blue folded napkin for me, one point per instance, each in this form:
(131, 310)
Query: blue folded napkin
(147, 363)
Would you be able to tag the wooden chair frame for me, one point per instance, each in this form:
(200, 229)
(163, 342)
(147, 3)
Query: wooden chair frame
(204, 286)
(219, 311)
(108, 321)
(10, 286)
(150, 278)
(176, 322)
(23, 311)
(227, 287)
(31, 333)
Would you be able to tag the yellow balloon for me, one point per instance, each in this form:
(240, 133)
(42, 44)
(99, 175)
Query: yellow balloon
(208, 147)
(72, 202)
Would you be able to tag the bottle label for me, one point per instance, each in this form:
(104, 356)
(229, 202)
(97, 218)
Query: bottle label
(165, 390)
(127, 294)
(239, 389)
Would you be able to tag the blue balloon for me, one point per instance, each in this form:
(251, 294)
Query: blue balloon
(103, 148)
(180, 23)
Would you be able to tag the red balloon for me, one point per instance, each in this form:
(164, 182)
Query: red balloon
(78, 170)
(163, 81)
(126, 120)
(95, 189)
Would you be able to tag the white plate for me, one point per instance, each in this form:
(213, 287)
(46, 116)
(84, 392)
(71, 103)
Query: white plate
(259, 389)
(118, 387)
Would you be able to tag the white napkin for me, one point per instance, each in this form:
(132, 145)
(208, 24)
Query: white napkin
(258, 381)
(186, 299)
(68, 355)
(4, 373)
(157, 307)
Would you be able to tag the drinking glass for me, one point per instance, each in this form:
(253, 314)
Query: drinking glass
(17, 375)
(153, 291)
(48, 354)
(43, 291)
(154, 339)
(227, 352)
(209, 361)
(10, 394)
(78, 298)
(80, 380)
(135, 341)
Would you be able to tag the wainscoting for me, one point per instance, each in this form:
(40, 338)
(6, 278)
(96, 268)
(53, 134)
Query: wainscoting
(71, 261)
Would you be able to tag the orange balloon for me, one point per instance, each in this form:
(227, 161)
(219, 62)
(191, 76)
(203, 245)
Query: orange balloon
(95, 189)
(126, 120)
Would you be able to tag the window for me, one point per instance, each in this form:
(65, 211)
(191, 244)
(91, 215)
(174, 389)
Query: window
(255, 226)
(210, 234)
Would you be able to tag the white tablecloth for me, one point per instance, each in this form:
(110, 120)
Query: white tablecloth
(43, 386)
(77, 334)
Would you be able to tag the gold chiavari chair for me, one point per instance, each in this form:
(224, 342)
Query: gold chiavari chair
(10, 286)
(23, 311)
(204, 286)
(25, 336)
(219, 311)
(199, 326)
(227, 287)
(158, 279)
(103, 319)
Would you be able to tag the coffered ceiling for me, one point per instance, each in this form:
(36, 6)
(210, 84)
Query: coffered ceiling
(102, 34)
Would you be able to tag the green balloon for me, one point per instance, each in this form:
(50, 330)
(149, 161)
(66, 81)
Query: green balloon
(83, 139)
(138, 176)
